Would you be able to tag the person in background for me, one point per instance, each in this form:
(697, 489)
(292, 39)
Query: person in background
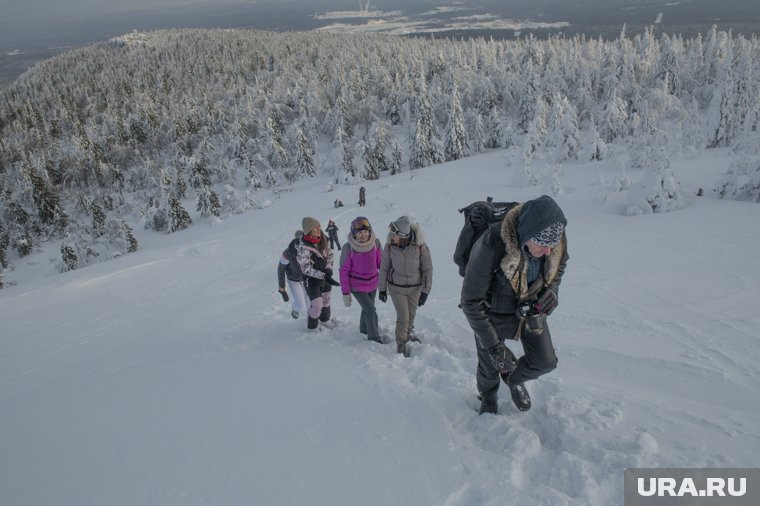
(510, 286)
(406, 273)
(316, 259)
(359, 266)
(332, 234)
(362, 195)
(288, 269)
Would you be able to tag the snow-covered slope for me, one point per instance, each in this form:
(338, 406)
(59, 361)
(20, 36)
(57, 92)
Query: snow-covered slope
(176, 376)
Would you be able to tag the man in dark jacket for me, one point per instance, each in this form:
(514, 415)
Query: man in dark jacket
(510, 286)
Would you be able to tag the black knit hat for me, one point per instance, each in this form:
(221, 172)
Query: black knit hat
(536, 216)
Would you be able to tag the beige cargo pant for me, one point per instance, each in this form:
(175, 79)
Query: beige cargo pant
(405, 302)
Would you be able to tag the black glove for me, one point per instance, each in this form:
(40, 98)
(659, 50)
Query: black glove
(548, 301)
(319, 263)
(423, 298)
(383, 296)
(284, 294)
(502, 358)
(330, 280)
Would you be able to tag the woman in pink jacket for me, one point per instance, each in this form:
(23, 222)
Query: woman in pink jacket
(359, 267)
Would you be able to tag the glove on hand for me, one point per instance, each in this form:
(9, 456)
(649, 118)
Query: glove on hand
(383, 296)
(548, 301)
(502, 358)
(423, 298)
(330, 280)
(347, 300)
(284, 294)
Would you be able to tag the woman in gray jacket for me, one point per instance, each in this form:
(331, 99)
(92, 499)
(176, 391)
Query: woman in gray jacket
(406, 272)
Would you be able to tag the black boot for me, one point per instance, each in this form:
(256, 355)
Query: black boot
(312, 323)
(488, 405)
(325, 314)
(401, 348)
(519, 394)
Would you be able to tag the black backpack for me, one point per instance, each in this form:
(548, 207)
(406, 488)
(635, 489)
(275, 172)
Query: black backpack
(478, 216)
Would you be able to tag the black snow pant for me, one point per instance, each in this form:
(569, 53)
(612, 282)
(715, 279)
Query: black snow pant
(318, 291)
(539, 358)
(334, 240)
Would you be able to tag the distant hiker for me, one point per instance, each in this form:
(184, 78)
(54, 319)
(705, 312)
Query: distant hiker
(362, 194)
(332, 234)
(359, 265)
(316, 259)
(289, 269)
(510, 287)
(337, 203)
(406, 272)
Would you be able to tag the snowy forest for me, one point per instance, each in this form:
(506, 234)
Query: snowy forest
(157, 129)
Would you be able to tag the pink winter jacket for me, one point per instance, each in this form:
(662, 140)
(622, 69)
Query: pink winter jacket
(359, 271)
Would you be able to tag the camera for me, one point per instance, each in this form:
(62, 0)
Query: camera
(530, 312)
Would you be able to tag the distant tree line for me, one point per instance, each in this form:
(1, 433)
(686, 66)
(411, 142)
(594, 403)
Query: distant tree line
(136, 130)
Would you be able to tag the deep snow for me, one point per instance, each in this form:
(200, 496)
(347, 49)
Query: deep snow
(176, 376)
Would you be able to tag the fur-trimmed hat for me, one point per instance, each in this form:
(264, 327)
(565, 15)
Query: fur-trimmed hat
(308, 223)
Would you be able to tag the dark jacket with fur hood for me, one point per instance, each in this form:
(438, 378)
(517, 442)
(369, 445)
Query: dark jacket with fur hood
(496, 279)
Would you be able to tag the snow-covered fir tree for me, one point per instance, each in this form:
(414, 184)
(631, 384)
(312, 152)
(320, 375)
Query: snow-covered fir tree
(134, 127)
(455, 145)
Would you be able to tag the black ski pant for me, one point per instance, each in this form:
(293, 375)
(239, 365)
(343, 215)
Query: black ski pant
(318, 291)
(539, 358)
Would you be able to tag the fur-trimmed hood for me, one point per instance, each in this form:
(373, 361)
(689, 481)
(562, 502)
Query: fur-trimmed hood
(514, 264)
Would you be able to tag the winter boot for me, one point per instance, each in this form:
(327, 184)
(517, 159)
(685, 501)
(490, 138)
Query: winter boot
(413, 336)
(488, 405)
(519, 394)
(401, 348)
(312, 323)
(325, 314)
(294, 314)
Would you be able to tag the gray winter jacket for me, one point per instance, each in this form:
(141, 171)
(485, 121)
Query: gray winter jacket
(407, 269)
(495, 281)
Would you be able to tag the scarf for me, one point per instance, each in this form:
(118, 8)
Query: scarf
(362, 247)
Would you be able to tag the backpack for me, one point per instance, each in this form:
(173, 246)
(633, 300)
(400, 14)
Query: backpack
(478, 216)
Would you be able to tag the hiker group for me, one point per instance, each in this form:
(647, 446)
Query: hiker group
(511, 256)
(402, 269)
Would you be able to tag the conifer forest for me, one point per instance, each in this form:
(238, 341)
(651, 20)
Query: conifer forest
(157, 129)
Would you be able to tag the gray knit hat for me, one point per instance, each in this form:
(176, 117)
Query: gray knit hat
(401, 227)
(308, 223)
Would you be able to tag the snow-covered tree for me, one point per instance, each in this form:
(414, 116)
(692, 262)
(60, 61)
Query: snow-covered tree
(455, 145)
(305, 153)
(658, 191)
(742, 181)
